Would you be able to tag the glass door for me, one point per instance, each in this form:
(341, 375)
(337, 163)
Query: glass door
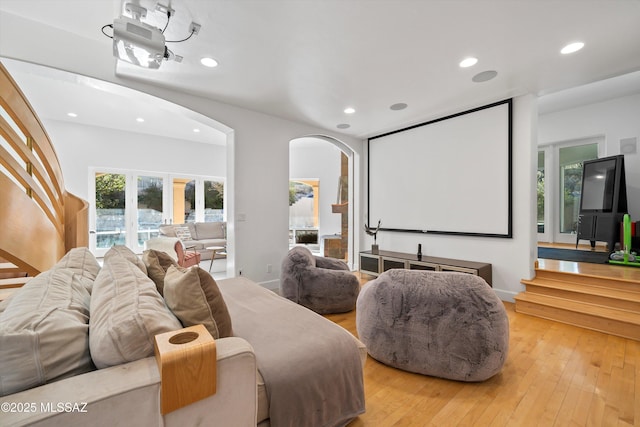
(197, 199)
(213, 201)
(110, 218)
(128, 207)
(542, 206)
(149, 209)
(184, 200)
(570, 159)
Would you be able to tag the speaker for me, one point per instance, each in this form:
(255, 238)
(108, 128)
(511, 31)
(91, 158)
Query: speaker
(628, 145)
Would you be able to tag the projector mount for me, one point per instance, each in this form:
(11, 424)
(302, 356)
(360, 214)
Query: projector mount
(142, 44)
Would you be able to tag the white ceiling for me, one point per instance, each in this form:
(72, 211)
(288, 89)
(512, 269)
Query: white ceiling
(307, 60)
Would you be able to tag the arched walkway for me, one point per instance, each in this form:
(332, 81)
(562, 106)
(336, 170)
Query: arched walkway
(325, 165)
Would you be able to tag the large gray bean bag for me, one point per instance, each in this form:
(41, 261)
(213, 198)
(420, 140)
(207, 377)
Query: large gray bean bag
(324, 285)
(447, 325)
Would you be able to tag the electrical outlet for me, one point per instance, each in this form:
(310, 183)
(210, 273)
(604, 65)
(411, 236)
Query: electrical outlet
(269, 268)
(239, 272)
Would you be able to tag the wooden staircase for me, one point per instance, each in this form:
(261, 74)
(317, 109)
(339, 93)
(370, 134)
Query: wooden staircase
(601, 303)
(11, 278)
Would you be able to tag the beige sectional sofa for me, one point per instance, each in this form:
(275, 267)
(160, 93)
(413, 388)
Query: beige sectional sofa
(270, 370)
(198, 235)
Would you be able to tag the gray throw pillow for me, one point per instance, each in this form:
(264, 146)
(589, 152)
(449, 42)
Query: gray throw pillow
(194, 297)
(157, 263)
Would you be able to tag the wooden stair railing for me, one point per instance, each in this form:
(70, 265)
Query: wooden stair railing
(39, 220)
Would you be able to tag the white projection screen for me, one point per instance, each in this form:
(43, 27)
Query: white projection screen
(448, 176)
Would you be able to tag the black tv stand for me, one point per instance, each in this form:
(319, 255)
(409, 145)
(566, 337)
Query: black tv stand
(601, 227)
(603, 200)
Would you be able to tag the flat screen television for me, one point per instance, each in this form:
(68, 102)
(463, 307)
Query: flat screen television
(603, 186)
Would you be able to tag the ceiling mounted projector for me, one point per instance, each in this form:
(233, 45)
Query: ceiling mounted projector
(138, 43)
(142, 44)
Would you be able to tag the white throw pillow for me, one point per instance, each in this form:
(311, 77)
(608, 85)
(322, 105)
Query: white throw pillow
(126, 313)
(183, 232)
(44, 330)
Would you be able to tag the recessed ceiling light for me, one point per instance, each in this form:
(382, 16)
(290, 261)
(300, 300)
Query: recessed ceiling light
(196, 130)
(572, 47)
(207, 61)
(468, 62)
(139, 120)
(484, 76)
(349, 110)
(398, 106)
(343, 126)
(72, 115)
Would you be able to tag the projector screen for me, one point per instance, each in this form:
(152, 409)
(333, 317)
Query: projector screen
(448, 176)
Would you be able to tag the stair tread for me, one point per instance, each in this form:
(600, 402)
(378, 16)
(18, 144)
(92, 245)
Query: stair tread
(580, 307)
(585, 288)
(14, 282)
(7, 267)
(568, 275)
(6, 293)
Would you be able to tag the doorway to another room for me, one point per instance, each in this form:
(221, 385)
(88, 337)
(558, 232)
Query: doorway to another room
(319, 209)
(559, 190)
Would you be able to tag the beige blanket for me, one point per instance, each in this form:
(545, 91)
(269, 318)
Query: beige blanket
(310, 365)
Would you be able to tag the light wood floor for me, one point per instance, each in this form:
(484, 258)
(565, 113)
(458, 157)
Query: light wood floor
(555, 375)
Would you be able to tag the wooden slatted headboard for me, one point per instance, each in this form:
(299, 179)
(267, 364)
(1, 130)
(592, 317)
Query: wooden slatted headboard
(39, 220)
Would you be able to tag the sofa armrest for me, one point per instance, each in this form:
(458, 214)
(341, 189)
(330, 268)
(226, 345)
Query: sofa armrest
(129, 394)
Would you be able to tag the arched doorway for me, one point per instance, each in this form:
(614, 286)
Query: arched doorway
(321, 196)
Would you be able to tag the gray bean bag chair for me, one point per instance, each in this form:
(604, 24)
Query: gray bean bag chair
(324, 285)
(447, 325)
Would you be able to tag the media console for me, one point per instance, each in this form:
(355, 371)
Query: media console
(374, 264)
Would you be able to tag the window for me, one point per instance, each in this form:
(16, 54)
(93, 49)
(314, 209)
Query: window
(540, 191)
(213, 201)
(110, 210)
(303, 204)
(571, 159)
(303, 211)
(150, 207)
(129, 206)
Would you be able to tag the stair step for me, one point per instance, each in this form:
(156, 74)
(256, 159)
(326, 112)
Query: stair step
(6, 293)
(609, 320)
(7, 267)
(584, 292)
(620, 283)
(15, 282)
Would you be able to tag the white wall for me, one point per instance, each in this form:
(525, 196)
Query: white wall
(616, 119)
(319, 160)
(511, 259)
(82, 147)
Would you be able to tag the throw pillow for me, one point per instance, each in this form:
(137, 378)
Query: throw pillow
(210, 230)
(194, 297)
(128, 254)
(182, 232)
(157, 263)
(126, 313)
(44, 328)
(81, 261)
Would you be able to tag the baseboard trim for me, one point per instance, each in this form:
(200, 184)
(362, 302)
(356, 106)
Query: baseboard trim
(508, 296)
(272, 285)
